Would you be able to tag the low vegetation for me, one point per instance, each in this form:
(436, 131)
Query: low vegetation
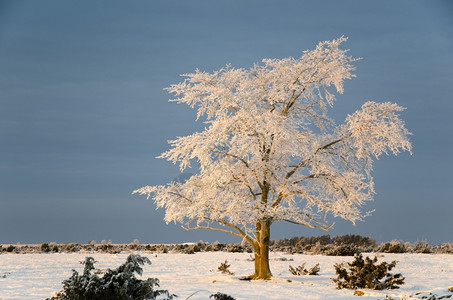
(345, 245)
(224, 268)
(221, 296)
(118, 284)
(365, 273)
(301, 270)
(121, 283)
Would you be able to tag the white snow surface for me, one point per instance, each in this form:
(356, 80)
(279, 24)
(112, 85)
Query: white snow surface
(195, 276)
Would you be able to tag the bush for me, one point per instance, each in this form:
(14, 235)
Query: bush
(354, 240)
(216, 246)
(367, 274)
(342, 250)
(45, 247)
(224, 268)
(10, 248)
(220, 296)
(54, 247)
(186, 248)
(423, 247)
(300, 270)
(322, 240)
(339, 245)
(445, 248)
(236, 248)
(70, 247)
(118, 284)
(394, 247)
(162, 248)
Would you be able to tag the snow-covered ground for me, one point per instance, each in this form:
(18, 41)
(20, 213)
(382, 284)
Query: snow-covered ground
(37, 276)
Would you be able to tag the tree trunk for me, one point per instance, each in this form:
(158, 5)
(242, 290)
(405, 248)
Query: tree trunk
(261, 251)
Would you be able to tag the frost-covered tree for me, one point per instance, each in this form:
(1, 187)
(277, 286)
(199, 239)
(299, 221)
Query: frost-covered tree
(271, 153)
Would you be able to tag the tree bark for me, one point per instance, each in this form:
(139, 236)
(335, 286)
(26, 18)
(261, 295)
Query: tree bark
(261, 251)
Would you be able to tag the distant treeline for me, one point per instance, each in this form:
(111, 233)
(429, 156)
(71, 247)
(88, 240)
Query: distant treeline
(345, 245)
(349, 244)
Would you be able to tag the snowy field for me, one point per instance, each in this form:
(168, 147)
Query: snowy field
(37, 276)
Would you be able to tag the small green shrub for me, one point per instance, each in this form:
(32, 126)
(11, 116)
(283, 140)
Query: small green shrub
(224, 268)
(394, 247)
(163, 249)
(10, 248)
(367, 274)
(354, 240)
(216, 246)
(191, 249)
(54, 247)
(235, 248)
(220, 296)
(342, 250)
(118, 284)
(446, 248)
(70, 247)
(45, 247)
(300, 270)
(423, 247)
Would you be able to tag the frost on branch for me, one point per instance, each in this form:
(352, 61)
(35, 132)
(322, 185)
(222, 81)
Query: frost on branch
(377, 129)
(270, 152)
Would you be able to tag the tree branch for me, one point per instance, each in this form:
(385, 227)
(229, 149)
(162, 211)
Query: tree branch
(246, 164)
(303, 162)
(308, 224)
(188, 227)
(240, 232)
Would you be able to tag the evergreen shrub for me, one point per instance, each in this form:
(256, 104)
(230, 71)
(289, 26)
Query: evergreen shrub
(341, 250)
(301, 270)
(45, 247)
(394, 247)
(367, 274)
(118, 284)
(220, 296)
(224, 268)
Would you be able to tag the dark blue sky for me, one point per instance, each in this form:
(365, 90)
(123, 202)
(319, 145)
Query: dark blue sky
(83, 113)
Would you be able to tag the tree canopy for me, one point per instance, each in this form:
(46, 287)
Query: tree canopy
(270, 152)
